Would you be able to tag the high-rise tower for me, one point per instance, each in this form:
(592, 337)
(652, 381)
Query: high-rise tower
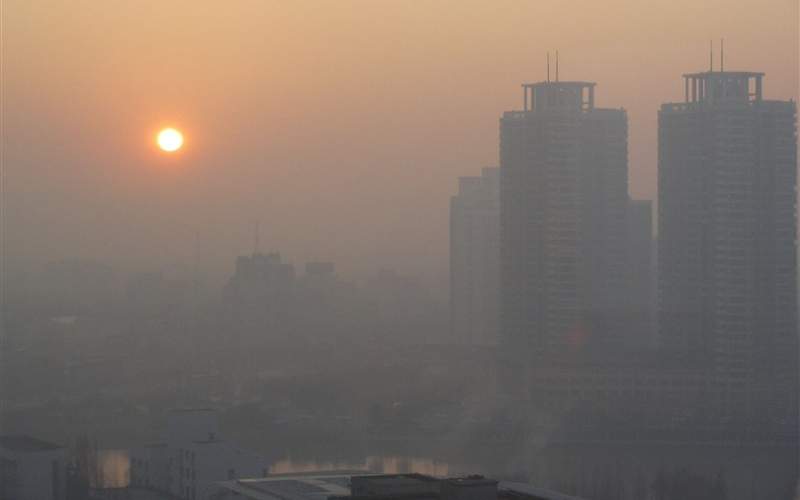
(564, 196)
(727, 229)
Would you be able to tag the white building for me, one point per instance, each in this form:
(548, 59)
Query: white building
(192, 456)
(31, 469)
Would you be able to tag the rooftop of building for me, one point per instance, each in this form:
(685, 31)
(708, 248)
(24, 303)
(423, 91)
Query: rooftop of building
(561, 97)
(727, 74)
(515, 490)
(192, 410)
(303, 486)
(561, 83)
(398, 478)
(337, 485)
(724, 90)
(25, 443)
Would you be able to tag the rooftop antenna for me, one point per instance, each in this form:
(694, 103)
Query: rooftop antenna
(722, 54)
(556, 65)
(711, 57)
(548, 67)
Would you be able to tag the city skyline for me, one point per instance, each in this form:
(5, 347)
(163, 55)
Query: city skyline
(289, 157)
(256, 238)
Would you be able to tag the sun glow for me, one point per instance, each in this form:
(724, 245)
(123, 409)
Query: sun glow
(169, 140)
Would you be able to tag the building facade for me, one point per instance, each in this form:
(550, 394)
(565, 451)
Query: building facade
(31, 469)
(641, 273)
(564, 197)
(475, 259)
(191, 457)
(727, 252)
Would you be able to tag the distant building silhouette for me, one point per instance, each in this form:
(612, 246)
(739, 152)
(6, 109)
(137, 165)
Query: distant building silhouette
(727, 252)
(564, 197)
(261, 280)
(261, 291)
(475, 259)
(326, 306)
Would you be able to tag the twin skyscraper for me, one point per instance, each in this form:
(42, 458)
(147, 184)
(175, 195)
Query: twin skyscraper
(726, 238)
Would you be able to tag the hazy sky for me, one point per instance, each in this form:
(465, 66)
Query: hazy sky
(342, 126)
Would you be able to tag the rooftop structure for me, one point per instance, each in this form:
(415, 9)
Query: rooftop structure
(360, 485)
(542, 96)
(720, 86)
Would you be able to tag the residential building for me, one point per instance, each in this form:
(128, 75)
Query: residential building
(192, 456)
(564, 198)
(31, 469)
(727, 243)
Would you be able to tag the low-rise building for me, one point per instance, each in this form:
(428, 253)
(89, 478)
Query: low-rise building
(31, 469)
(192, 456)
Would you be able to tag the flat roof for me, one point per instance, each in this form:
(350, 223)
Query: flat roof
(26, 443)
(191, 410)
(302, 486)
(472, 481)
(411, 477)
(530, 490)
(321, 485)
(705, 74)
(561, 83)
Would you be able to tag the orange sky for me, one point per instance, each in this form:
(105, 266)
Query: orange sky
(341, 125)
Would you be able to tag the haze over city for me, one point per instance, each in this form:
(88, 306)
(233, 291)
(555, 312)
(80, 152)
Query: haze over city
(399, 250)
(340, 127)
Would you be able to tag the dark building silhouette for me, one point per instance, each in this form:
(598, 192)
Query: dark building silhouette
(257, 307)
(727, 251)
(564, 197)
(475, 259)
(326, 307)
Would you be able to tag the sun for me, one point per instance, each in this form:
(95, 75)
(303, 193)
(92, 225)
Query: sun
(169, 140)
